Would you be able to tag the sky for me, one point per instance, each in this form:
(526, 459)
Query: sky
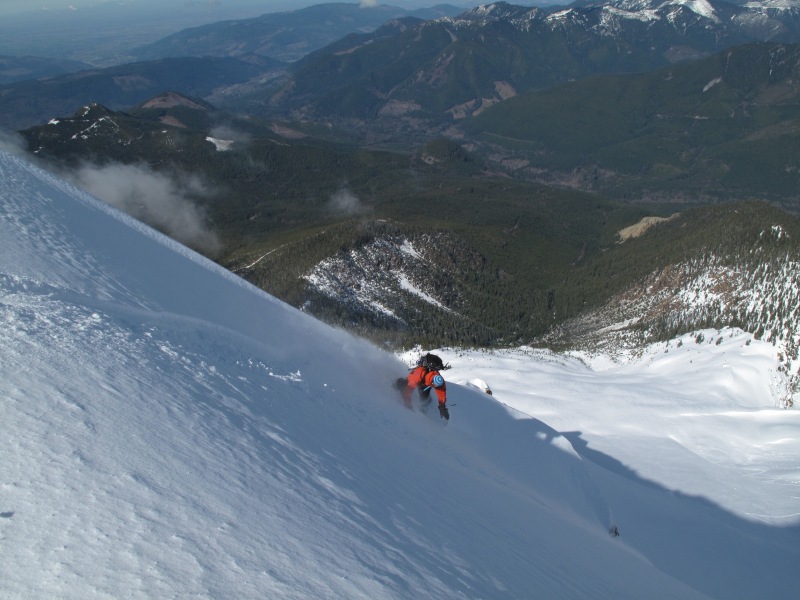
(171, 431)
(18, 6)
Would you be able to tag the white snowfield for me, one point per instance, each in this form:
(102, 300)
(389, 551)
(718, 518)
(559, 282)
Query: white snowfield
(169, 431)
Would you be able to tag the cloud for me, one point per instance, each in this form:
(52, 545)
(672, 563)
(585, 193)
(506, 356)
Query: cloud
(369, 3)
(13, 143)
(226, 132)
(346, 203)
(163, 202)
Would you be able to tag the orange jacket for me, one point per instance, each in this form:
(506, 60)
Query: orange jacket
(421, 378)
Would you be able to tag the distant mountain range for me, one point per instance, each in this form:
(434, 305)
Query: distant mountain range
(284, 36)
(409, 71)
(32, 102)
(451, 68)
(21, 68)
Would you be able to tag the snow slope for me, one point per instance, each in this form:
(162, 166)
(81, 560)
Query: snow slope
(170, 431)
(686, 444)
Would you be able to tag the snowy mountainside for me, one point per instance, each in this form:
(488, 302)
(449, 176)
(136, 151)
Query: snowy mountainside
(169, 430)
(759, 293)
(598, 15)
(383, 275)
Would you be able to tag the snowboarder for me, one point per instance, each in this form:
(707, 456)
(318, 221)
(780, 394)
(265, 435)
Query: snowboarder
(424, 377)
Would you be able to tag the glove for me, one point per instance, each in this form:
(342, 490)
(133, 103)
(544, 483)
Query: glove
(443, 412)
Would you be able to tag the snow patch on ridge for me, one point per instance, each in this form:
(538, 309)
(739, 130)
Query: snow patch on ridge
(700, 7)
(371, 276)
(220, 145)
(406, 284)
(712, 83)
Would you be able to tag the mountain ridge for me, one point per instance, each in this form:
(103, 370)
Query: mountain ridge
(451, 65)
(29, 103)
(285, 36)
(708, 128)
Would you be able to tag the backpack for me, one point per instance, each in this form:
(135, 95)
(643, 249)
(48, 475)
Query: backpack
(431, 362)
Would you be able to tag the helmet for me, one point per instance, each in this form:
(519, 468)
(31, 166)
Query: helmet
(438, 380)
